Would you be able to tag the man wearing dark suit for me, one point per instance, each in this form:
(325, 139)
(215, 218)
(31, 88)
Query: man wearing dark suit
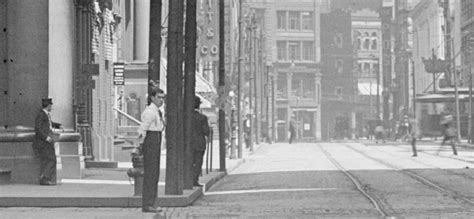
(43, 143)
(201, 131)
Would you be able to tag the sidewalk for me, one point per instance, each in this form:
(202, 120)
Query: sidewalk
(101, 187)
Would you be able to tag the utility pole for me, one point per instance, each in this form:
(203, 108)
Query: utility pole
(189, 90)
(251, 78)
(222, 95)
(239, 89)
(154, 50)
(174, 101)
(256, 83)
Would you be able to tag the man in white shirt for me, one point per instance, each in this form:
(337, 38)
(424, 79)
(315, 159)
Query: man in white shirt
(150, 132)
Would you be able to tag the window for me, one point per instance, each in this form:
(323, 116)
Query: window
(294, 50)
(281, 47)
(308, 51)
(307, 20)
(281, 17)
(338, 91)
(282, 87)
(374, 44)
(338, 40)
(366, 44)
(339, 66)
(386, 44)
(303, 86)
(294, 20)
(366, 68)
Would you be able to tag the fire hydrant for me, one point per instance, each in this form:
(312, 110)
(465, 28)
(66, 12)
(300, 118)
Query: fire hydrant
(137, 172)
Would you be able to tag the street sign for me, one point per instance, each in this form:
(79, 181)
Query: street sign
(119, 78)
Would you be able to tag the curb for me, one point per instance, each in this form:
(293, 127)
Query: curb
(188, 197)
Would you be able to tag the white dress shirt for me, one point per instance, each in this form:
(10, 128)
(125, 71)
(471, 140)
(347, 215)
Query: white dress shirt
(151, 120)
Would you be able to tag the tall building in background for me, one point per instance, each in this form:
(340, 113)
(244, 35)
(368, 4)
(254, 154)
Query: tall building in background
(338, 82)
(292, 42)
(367, 41)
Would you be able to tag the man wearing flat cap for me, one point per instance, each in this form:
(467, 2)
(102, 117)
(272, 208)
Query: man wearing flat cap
(43, 143)
(200, 132)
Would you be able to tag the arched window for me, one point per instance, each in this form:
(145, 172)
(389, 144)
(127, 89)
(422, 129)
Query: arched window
(366, 44)
(357, 41)
(374, 44)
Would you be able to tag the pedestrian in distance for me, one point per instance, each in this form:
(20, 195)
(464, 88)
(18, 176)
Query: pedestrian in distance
(43, 143)
(415, 133)
(247, 130)
(404, 132)
(292, 129)
(379, 132)
(200, 136)
(449, 131)
(150, 134)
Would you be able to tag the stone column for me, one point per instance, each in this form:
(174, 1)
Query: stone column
(140, 32)
(61, 61)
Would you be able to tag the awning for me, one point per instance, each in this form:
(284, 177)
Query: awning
(440, 98)
(203, 86)
(368, 89)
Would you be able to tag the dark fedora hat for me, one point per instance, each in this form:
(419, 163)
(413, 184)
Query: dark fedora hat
(46, 101)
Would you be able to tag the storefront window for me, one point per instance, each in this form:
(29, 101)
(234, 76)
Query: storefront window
(303, 86)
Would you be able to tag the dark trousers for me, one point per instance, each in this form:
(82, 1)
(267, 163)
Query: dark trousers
(292, 136)
(47, 158)
(413, 146)
(151, 166)
(198, 157)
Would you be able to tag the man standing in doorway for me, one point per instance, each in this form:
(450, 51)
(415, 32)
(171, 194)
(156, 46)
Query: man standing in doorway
(43, 143)
(150, 131)
(200, 132)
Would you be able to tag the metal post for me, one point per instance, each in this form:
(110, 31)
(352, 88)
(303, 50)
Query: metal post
(469, 132)
(456, 96)
(256, 84)
(189, 90)
(222, 95)
(239, 89)
(414, 88)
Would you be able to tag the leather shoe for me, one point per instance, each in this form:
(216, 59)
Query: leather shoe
(151, 209)
(198, 185)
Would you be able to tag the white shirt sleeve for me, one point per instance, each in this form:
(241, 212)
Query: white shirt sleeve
(147, 120)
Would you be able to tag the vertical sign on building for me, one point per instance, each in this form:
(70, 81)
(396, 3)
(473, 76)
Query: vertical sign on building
(119, 78)
(208, 30)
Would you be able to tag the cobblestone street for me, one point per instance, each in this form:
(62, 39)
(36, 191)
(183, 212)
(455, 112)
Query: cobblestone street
(306, 180)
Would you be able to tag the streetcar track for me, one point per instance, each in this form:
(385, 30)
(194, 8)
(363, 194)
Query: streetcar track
(439, 155)
(375, 201)
(463, 175)
(454, 195)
